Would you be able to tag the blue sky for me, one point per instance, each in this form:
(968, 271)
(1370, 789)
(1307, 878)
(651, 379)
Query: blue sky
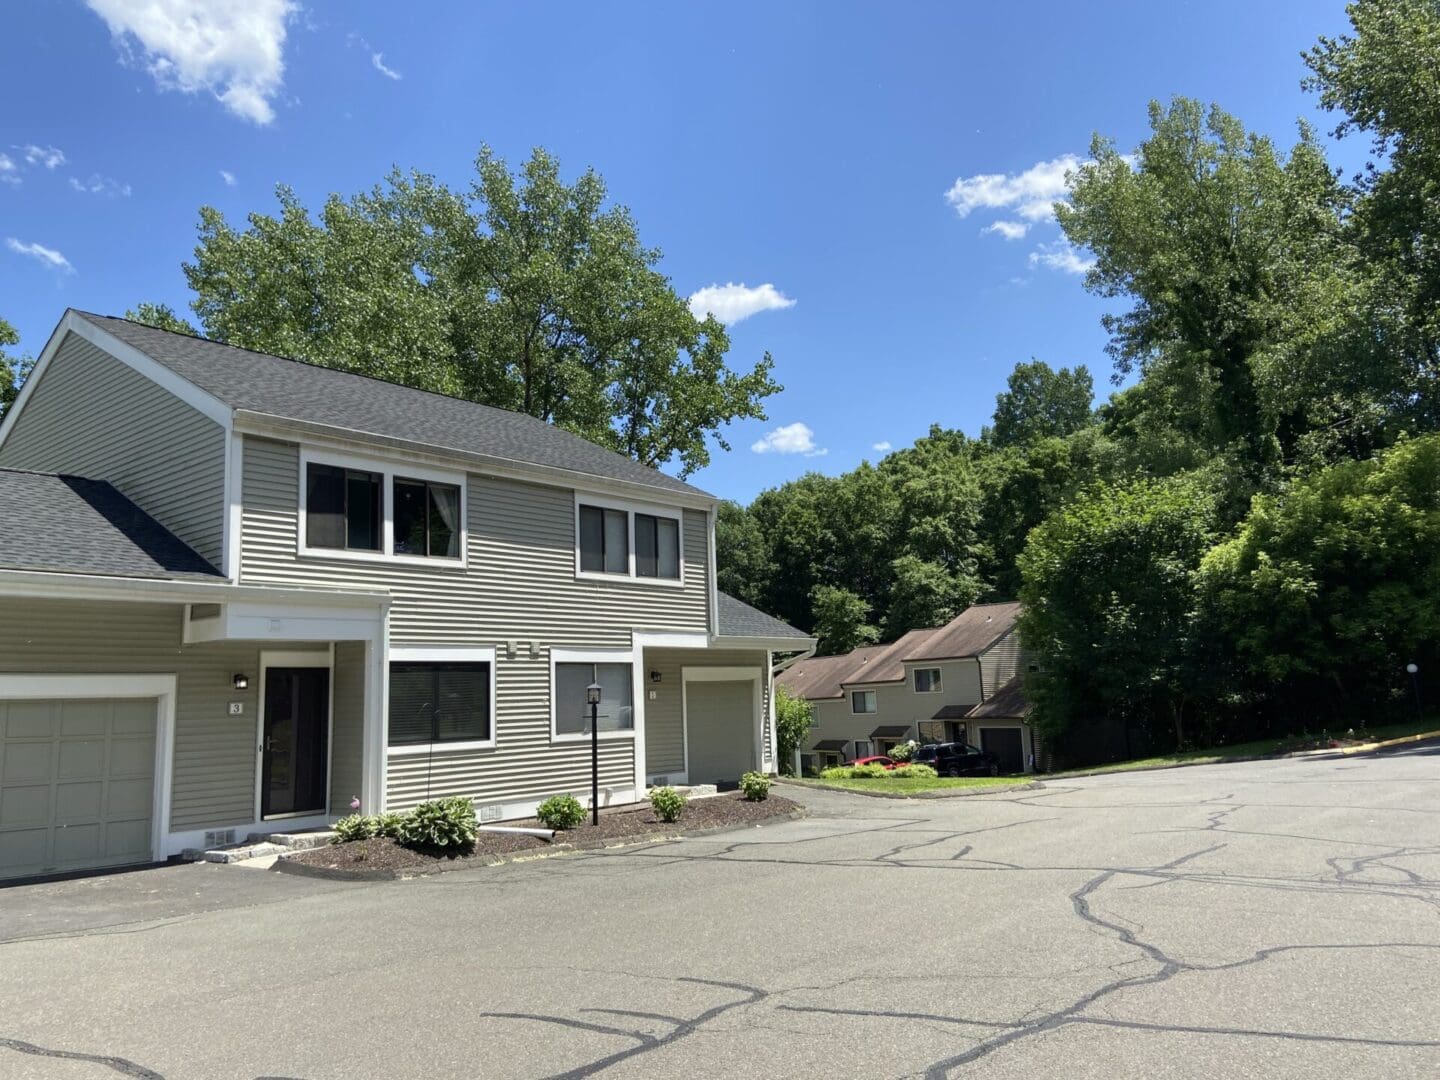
(854, 166)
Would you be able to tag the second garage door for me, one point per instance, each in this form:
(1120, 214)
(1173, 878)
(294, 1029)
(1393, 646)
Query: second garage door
(77, 784)
(719, 730)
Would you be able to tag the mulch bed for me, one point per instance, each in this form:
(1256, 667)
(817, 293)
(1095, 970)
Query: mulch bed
(382, 858)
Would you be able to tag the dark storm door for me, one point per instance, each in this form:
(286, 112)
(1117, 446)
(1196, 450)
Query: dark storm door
(1005, 744)
(294, 754)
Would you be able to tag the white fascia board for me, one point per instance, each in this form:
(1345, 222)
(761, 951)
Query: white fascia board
(795, 645)
(43, 584)
(253, 423)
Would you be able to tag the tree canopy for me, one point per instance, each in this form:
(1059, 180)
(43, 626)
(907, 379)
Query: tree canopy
(522, 291)
(13, 369)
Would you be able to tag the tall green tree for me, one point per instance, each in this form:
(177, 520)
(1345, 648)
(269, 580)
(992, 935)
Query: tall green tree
(841, 620)
(1331, 588)
(1040, 402)
(13, 369)
(1382, 79)
(162, 317)
(524, 292)
(1210, 232)
(742, 555)
(1109, 614)
(794, 717)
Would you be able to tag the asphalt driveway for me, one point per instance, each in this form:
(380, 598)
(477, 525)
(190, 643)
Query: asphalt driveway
(1268, 919)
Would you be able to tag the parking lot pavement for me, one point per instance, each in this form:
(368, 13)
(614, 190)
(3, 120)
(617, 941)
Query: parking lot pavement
(1267, 919)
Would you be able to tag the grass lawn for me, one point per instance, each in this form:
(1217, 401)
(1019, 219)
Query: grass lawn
(909, 785)
(1261, 748)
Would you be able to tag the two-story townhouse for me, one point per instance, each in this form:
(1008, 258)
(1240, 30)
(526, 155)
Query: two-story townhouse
(960, 682)
(239, 592)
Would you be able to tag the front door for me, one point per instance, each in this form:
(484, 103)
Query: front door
(294, 754)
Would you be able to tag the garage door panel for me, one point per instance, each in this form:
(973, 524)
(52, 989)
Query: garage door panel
(132, 757)
(30, 719)
(25, 804)
(22, 762)
(134, 718)
(76, 784)
(719, 730)
(80, 759)
(85, 717)
(127, 798)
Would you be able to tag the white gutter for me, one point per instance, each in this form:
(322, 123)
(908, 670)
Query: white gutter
(784, 665)
(49, 585)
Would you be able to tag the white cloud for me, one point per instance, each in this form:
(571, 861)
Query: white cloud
(233, 50)
(796, 438)
(100, 185)
(1010, 230)
(9, 171)
(731, 302)
(378, 59)
(47, 256)
(228, 177)
(48, 156)
(1061, 255)
(1031, 193)
(882, 446)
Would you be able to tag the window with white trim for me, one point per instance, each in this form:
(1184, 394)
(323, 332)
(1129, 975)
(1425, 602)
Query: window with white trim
(356, 508)
(616, 711)
(862, 749)
(625, 541)
(927, 680)
(862, 701)
(440, 701)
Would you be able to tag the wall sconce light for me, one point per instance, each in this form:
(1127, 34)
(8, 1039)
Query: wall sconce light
(242, 682)
(654, 675)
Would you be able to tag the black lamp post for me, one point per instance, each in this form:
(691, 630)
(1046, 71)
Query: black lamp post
(592, 698)
(1414, 670)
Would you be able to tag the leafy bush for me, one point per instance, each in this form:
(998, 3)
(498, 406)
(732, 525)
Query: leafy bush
(444, 825)
(561, 812)
(855, 772)
(794, 717)
(667, 803)
(903, 752)
(354, 827)
(389, 824)
(917, 771)
(756, 786)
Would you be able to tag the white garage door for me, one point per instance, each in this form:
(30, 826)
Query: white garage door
(77, 784)
(719, 730)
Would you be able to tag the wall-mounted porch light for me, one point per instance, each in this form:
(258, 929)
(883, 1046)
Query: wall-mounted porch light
(242, 682)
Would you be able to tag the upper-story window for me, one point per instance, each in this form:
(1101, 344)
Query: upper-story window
(927, 680)
(356, 508)
(622, 541)
(862, 701)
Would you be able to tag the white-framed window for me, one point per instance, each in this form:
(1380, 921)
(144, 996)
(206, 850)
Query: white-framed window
(862, 749)
(862, 701)
(441, 698)
(627, 540)
(571, 673)
(927, 680)
(362, 508)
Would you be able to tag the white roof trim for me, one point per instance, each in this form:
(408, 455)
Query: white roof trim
(47, 584)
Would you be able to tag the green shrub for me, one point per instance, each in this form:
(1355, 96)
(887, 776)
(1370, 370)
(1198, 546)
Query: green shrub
(667, 803)
(756, 786)
(868, 772)
(917, 771)
(389, 824)
(561, 812)
(903, 752)
(835, 772)
(352, 828)
(444, 825)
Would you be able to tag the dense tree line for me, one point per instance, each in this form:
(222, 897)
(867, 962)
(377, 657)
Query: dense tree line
(1246, 539)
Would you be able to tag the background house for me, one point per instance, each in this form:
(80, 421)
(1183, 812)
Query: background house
(960, 682)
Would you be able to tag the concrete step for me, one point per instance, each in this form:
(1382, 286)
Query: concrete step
(698, 791)
(233, 852)
(302, 840)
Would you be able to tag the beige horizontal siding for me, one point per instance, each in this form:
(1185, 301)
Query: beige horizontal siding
(520, 585)
(1001, 662)
(91, 415)
(213, 777)
(664, 725)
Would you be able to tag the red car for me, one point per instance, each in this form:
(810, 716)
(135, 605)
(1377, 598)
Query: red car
(875, 759)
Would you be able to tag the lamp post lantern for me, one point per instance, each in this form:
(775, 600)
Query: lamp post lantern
(1414, 670)
(592, 698)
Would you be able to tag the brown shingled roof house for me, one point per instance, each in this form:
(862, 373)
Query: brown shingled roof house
(961, 682)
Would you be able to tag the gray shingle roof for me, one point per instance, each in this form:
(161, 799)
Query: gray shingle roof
(739, 619)
(69, 525)
(1007, 703)
(292, 390)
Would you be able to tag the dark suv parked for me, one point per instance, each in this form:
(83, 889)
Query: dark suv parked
(957, 759)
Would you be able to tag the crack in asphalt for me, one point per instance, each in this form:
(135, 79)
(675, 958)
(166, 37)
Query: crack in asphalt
(120, 1065)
